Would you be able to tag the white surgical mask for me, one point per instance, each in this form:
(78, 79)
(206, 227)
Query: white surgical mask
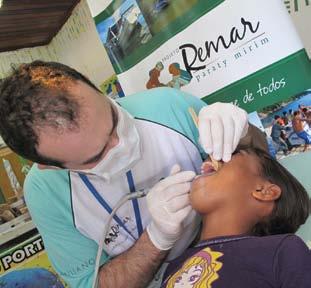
(125, 154)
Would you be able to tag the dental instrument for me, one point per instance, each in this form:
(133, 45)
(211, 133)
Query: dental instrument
(123, 200)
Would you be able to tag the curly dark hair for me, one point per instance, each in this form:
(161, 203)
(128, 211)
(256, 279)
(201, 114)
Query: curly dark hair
(36, 95)
(292, 208)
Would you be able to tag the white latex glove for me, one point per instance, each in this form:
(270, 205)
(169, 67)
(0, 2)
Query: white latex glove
(168, 204)
(221, 126)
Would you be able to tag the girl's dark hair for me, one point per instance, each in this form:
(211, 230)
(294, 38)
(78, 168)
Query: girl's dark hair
(292, 208)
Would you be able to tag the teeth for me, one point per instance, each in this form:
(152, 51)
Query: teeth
(217, 165)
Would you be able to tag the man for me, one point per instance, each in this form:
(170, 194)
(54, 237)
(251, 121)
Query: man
(54, 116)
(298, 126)
(285, 118)
(307, 113)
(276, 133)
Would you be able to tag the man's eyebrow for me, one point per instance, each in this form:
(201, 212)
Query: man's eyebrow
(114, 116)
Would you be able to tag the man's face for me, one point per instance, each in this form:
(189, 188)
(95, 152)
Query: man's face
(84, 147)
(228, 188)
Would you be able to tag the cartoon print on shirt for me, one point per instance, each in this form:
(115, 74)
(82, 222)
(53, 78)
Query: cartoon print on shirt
(200, 271)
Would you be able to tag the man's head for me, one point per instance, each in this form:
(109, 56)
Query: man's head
(276, 117)
(297, 113)
(53, 115)
(255, 187)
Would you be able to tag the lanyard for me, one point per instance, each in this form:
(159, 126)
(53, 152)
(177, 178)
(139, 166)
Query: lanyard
(106, 206)
(131, 184)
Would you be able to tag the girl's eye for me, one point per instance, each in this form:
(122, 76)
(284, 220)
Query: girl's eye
(178, 279)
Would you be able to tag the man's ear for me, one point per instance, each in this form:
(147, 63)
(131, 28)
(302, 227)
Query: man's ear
(267, 192)
(44, 167)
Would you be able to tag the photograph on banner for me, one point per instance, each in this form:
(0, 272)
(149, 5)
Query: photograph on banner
(160, 13)
(131, 30)
(124, 31)
(287, 125)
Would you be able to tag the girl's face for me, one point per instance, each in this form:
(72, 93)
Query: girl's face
(189, 277)
(230, 186)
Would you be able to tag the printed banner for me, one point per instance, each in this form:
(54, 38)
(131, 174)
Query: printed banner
(244, 52)
(28, 263)
(231, 51)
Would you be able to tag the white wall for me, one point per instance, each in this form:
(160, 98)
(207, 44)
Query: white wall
(301, 16)
(12, 58)
(1, 142)
(77, 44)
(97, 6)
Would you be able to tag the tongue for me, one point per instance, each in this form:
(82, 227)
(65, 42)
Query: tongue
(207, 168)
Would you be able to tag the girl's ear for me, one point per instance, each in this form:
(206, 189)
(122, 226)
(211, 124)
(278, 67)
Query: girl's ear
(267, 192)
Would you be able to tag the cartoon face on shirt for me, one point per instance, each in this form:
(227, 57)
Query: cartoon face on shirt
(188, 278)
(199, 271)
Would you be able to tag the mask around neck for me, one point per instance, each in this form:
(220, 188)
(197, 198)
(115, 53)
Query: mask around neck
(125, 154)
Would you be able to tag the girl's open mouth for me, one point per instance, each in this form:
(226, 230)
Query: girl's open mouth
(209, 168)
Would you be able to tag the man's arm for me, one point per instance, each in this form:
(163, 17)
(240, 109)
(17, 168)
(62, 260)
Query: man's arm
(134, 268)
(72, 255)
(168, 204)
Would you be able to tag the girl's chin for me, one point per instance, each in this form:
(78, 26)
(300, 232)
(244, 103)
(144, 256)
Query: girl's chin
(199, 180)
(191, 197)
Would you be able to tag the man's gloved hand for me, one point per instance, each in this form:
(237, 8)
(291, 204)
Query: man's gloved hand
(168, 204)
(221, 126)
